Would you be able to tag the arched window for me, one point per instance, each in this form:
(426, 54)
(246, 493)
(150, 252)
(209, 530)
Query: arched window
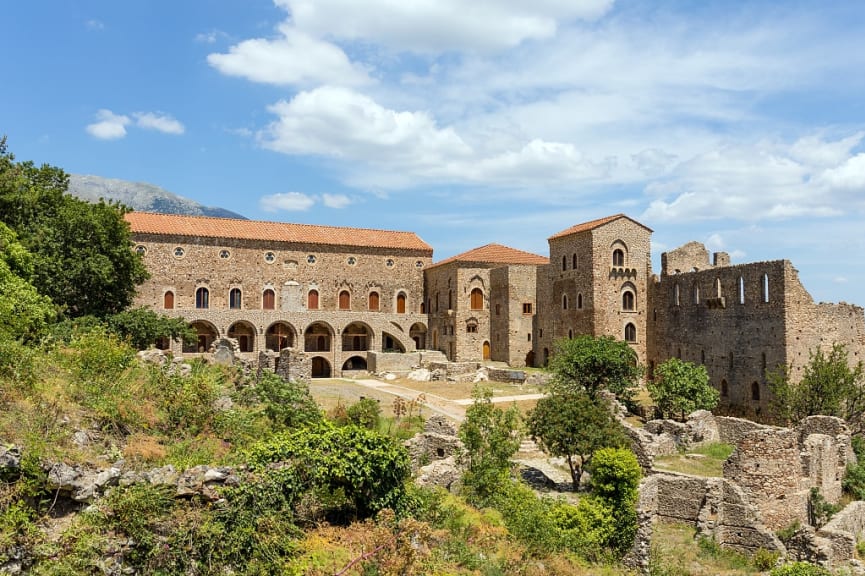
(570, 333)
(718, 288)
(564, 301)
(268, 299)
(344, 300)
(234, 298)
(630, 332)
(755, 391)
(765, 287)
(168, 300)
(477, 299)
(579, 301)
(696, 294)
(724, 389)
(373, 301)
(564, 263)
(400, 303)
(628, 300)
(312, 300)
(574, 261)
(741, 290)
(202, 298)
(676, 299)
(618, 257)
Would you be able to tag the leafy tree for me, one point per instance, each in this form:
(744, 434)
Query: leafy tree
(594, 364)
(82, 251)
(680, 387)
(829, 386)
(142, 327)
(574, 425)
(23, 311)
(490, 436)
(365, 413)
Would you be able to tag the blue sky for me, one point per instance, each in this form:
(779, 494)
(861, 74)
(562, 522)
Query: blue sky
(737, 124)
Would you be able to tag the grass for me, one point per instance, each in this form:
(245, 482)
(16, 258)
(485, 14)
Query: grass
(676, 551)
(707, 460)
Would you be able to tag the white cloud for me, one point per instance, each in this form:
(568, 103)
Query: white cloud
(109, 126)
(288, 201)
(848, 176)
(335, 200)
(94, 24)
(440, 25)
(210, 37)
(294, 58)
(159, 122)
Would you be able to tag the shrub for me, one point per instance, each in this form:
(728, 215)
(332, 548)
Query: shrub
(765, 559)
(365, 413)
(799, 569)
(287, 404)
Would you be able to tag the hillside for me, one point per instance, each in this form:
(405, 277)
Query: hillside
(141, 196)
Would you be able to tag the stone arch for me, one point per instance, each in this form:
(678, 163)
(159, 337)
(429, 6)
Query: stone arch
(630, 332)
(619, 253)
(564, 301)
(486, 350)
(390, 343)
(357, 337)
(629, 297)
(206, 332)
(202, 297)
(279, 335)
(530, 359)
(312, 299)
(235, 298)
(244, 333)
(418, 332)
(355, 363)
(168, 300)
(320, 367)
(344, 299)
(268, 299)
(318, 337)
(373, 301)
(401, 299)
(580, 301)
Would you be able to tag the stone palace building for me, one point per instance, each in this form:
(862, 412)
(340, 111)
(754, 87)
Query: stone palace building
(338, 293)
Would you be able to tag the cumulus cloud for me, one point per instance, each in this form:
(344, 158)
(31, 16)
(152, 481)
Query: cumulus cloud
(108, 125)
(335, 200)
(159, 122)
(848, 176)
(287, 201)
(294, 58)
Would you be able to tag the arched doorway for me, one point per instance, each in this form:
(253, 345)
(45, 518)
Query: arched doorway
(486, 350)
(354, 363)
(417, 332)
(320, 367)
(530, 359)
(207, 333)
(317, 337)
(244, 333)
(278, 336)
(357, 337)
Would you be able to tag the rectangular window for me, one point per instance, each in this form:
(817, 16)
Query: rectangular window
(529, 336)
(527, 307)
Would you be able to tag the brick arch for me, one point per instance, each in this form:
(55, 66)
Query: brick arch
(357, 337)
(318, 337)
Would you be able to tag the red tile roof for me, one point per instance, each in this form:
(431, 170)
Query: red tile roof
(592, 224)
(496, 254)
(176, 225)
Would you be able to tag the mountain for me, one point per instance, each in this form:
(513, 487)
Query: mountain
(141, 196)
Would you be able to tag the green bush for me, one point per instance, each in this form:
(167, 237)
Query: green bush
(765, 559)
(287, 404)
(352, 471)
(365, 413)
(615, 479)
(799, 569)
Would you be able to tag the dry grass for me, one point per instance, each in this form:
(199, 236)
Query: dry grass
(706, 460)
(676, 551)
(460, 390)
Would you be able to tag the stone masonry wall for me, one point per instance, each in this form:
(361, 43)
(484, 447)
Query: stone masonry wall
(511, 326)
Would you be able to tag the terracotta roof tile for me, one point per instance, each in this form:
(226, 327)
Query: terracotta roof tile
(496, 254)
(592, 224)
(176, 225)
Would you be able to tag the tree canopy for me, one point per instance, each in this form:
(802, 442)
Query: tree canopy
(574, 425)
(82, 257)
(23, 311)
(594, 364)
(830, 386)
(678, 388)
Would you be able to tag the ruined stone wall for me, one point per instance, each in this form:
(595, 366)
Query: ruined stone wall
(720, 318)
(513, 307)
